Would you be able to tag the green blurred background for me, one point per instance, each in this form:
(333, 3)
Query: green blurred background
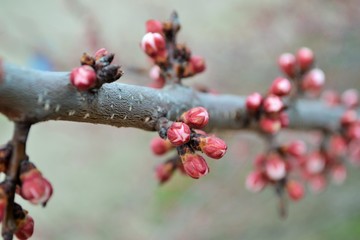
(103, 176)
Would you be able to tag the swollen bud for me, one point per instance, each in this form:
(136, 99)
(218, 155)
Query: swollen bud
(152, 44)
(178, 133)
(253, 102)
(102, 52)
(273, 104)
(255, 181)
(313, 80)
(296, 148)
(269, 125)
(26, 228)
(275, 168)
(83, 78)
(338, 174)
(164, 171)
(154, 26)
(280, 87)
(315, 163)
(158, 79)
(287, 63)
(160, 146)
(197, 117)
(350, 98)
(197, 64)
(194, 165)
(35, 188)
(305, 58)
(213, 147)
(295, 190)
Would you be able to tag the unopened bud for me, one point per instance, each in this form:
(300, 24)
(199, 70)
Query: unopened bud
(164, 171)
(280, 87)
(295, 190)
(331, 97)
(269, 125)
(197, 63)
(305, 58)
(152, 44)
(253, 102)
(101, 53)
(35, 188)
(154, 26)
(296, 148)
(348, 117)
(197, 117)
(317, 183)
(313, 80)
(255, 181)
(160, 146)
(194, 165)
(315, 163)
(275, 168)
(83, 78)
(178, 133)
(213, 147)
(338, 174)
(350, 98)
(273, 104)
(287, 63)
(26, 228)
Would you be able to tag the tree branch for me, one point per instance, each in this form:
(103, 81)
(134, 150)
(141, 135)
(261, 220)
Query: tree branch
(32, 96)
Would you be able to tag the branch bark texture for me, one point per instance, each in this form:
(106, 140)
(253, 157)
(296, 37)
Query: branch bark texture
(28, 95)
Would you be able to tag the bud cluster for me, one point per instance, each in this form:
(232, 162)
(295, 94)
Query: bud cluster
(185, 136)
(300, 68)
(269, 110)
(95, 71)
(172, 60)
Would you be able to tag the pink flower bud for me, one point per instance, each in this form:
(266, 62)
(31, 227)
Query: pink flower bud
(295, 190)
(253, 101)
(194, 165)
(305, 58)
(164, 172)
(350, 98)
(178, 133)
(353, 131)
(315, 163)
(280, 87)
(331, 97)
(269, 125)
(35, 188)
(155, 74)
(273, 104)
(255, 181)
(160, 146)
(101, 53)
(349, 117)
(313, 80)
(275, 168)
(25, 229)
(286, 63)
(338, 174)
(197, 64)
(296, 148)
(337, 146)
(83, 78)
(213, 147)
(153, 43)
(154, 26)
(317, 183)
(197, 117)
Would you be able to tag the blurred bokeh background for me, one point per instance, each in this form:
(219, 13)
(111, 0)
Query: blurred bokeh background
(103, 176)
